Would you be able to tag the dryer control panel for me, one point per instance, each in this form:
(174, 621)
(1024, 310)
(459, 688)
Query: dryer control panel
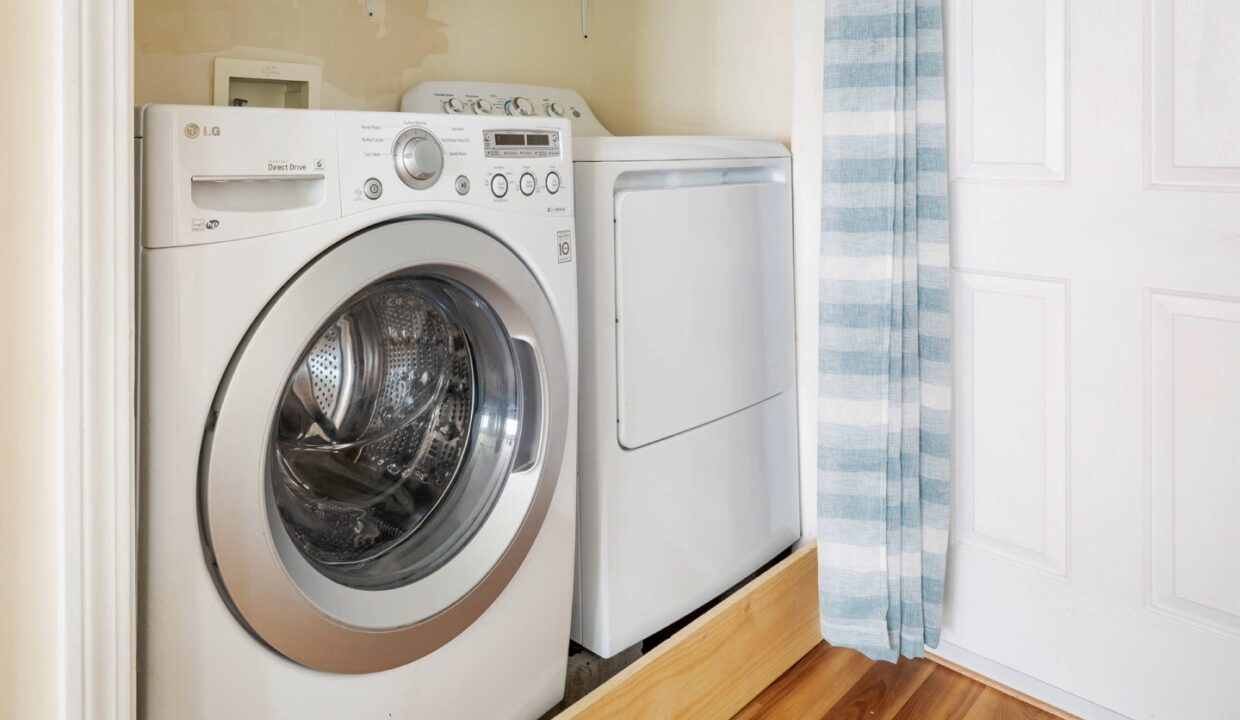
(503, 100)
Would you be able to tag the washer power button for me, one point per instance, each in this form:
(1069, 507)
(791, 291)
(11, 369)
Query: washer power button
(553, 182)
(373, 188)
(499, 185)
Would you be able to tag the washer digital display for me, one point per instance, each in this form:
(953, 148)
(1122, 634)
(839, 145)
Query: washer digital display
(521, 144)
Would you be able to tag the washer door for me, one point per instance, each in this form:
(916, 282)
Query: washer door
(385, 446)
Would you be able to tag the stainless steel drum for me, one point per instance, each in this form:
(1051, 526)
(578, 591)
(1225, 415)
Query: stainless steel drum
(401, 412)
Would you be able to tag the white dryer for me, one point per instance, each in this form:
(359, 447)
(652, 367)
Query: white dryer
(688, 455)
(358, 362)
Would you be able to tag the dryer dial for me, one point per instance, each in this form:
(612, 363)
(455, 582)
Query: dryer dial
(520, 106)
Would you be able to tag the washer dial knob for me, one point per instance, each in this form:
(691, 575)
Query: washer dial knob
(422, 158)
(418, 157)
(453, 106)
(482, 106)
(520, 106)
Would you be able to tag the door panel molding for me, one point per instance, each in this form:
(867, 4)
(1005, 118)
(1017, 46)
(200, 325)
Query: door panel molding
(1193, 143)
(1194, 408)
(1009, 91)
(1011, 491)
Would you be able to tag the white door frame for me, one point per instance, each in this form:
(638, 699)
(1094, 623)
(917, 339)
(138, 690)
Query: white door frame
(807, 53)
(94, 117)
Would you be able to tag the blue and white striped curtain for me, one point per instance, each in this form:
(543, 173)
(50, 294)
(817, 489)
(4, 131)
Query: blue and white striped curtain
(884, 429)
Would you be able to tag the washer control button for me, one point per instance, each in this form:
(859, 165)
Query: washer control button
(553, 182)
(499, 185)
(527, 184)
(373, 188)
(462, 185)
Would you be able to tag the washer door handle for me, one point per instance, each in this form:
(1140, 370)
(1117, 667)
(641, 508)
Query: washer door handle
(530, 434)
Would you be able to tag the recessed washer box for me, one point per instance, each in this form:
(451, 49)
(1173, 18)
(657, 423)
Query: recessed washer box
(262, 83)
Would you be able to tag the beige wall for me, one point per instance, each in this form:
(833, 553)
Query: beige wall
(367, 63)
(720, 67)
(29, 376)
(649, 67)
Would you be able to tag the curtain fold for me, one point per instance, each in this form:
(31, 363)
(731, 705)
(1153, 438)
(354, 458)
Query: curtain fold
(884, 406)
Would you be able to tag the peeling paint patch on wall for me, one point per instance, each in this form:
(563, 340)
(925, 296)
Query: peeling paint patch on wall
(361, 56)
(649, 67)
(367, 62)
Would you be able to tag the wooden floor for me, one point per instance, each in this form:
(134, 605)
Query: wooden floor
(834, 684)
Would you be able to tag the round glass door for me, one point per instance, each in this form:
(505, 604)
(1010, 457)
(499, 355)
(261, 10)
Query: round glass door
(395, 432)
(385, 446)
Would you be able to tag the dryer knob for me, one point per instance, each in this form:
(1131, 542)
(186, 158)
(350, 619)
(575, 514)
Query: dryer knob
(520, 106)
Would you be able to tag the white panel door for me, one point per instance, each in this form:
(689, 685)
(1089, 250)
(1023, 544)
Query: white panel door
(1095, 557)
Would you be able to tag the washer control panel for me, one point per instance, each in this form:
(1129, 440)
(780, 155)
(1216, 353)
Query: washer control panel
(216, 174)
(513, 164)
(503, 100)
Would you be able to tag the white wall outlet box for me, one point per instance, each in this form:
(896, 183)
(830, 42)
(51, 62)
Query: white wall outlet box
(261, 83)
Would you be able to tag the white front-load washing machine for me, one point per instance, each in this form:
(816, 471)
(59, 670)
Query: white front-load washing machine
(357, 399)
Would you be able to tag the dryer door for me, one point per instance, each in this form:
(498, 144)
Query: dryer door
(385, 446)
(704, 317)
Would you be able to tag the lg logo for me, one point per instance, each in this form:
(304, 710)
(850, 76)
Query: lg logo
(193, 130)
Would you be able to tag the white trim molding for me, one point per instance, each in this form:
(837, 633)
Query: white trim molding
(1022, 683)
(808, 46)
(98, 262)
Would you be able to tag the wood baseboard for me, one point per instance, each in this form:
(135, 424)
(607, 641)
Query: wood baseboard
(722, 660)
